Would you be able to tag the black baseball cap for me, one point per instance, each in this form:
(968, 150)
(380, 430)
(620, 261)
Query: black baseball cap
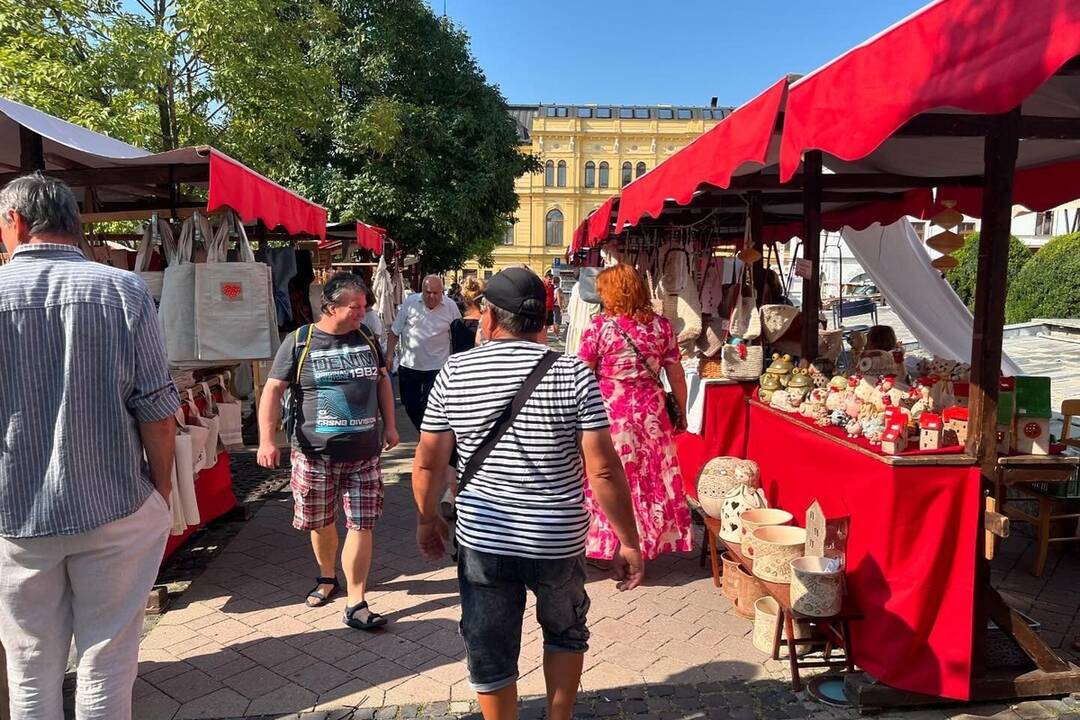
(519, 291)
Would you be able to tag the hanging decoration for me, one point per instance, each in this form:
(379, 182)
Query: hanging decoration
(947, 241)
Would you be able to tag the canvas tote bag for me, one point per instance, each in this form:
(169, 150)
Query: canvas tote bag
(177, 310)
(185, 474)
(210, 423)
(156, 232)
(234, 313)
(744, 361)
(230, 423)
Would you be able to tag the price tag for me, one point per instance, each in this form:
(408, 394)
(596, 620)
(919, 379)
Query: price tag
(804, 268)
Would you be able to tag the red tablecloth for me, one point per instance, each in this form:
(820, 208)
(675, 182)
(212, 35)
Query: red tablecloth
(723, 431)
(911, 548)
(213, 492)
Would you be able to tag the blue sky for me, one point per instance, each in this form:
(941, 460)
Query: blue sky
(653, 51)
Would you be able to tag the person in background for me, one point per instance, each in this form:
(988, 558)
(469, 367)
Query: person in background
(626, 346)
(373, 323)
(521, 520)
(774, 289)
(465, 330)
(549, 304)
(455, 294)
(557, 308)
(881, 337)
(341, 389)
(83, 515)
(422, 328)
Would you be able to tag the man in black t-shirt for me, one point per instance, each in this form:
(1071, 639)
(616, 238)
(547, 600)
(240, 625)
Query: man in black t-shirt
(340, 390)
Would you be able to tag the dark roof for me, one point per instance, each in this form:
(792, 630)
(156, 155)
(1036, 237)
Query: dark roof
(523, 114)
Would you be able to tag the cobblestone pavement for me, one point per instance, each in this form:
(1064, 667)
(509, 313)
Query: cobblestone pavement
(240, 643)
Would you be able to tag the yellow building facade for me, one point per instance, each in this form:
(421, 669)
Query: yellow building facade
(588, 153)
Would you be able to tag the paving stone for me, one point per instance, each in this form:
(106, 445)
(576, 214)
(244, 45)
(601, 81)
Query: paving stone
(386, 713)
(189, 686)
(221, 703)
(288, 698)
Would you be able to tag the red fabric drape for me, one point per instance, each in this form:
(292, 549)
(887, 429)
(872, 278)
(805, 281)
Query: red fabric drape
(910, 554)
(370, 237)
(599, 223)
(983, 57)
(254, 197)
(740, 138)
(723, 432)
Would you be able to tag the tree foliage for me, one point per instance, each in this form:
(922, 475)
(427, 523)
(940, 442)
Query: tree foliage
(963, 276)
(1049, 284)
(416, 140)
(162, 74)
(375, 108)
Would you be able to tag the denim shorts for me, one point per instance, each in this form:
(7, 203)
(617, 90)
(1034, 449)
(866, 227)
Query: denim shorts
(493, 605)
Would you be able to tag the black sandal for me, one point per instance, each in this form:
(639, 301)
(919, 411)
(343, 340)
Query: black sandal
(372, 622)
(323, 599)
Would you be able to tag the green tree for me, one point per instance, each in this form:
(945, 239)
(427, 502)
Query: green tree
(163, 74)
(963, 276)
(417, 140)
(1049, 284)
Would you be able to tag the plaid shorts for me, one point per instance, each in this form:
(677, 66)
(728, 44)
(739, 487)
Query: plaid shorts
(317, 483)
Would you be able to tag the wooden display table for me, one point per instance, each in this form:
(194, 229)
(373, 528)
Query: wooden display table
(836, 628)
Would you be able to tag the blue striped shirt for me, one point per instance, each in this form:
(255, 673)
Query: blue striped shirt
(82, 363)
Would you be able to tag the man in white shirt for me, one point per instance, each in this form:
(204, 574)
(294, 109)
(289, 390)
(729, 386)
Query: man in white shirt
(422, 327)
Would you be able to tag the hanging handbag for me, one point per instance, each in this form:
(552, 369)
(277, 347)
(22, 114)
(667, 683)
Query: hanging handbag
(776, 320)
(587, 285)
(185, 496)
(671, 403)
(745, 322)
(208, 421)
(177, 306)
(229, 412)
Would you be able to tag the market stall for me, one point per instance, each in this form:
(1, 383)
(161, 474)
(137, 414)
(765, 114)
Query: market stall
(196, 202)
(971, 126)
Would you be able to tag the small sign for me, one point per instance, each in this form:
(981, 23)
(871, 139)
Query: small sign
(556, 262)
(804, 268)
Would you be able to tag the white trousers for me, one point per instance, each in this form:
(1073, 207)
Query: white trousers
(92, 587)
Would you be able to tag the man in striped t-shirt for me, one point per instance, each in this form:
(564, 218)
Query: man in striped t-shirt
(522, 521)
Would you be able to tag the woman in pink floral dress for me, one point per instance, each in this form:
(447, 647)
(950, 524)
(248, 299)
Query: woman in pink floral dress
(640, 427)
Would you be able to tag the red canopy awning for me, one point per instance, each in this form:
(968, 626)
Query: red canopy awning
(254, 197)
(953, 55)
(738, 144)
(370, 237)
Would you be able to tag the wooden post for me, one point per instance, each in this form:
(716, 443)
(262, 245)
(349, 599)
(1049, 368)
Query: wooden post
(1001, 145)
(811, 292)
(756, 218)
(31, 150)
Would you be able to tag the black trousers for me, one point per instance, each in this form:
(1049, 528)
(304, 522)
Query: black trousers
(415, 386)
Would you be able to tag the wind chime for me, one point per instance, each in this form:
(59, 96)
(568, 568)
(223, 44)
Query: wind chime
(946, 242)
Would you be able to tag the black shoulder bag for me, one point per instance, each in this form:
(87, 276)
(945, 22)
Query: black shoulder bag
(506, 418)
(670, 403)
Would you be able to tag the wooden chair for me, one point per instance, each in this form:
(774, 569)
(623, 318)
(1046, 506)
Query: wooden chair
(1070, 409)
(1052, 483)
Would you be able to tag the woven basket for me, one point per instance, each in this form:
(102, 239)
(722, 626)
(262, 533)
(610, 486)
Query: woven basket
(711, 368)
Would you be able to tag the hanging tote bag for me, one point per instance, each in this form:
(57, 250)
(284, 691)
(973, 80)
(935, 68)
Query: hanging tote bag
(177, 310)
(210, 423)
(230, 424)
(235, 317)
(742, 361)
(185, 476)
(156, 233)
(745, 320)
(776, 320)
(199, 435)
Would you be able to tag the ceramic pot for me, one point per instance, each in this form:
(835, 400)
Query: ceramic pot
(749, 592)
(730, 580)
(816, 586)
(753, 519)
(765, 611)
(738, 500)
(719, 476)
(774, 548)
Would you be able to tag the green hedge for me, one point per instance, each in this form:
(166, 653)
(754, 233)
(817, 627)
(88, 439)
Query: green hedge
(1049, 284)
(962, 277)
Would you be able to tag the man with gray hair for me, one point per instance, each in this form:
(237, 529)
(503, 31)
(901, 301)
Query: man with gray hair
(422, 331)
(84, 516)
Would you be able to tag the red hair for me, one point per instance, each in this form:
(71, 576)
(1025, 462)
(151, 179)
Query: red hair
(623, 292)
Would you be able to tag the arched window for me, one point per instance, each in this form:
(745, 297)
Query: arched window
(553, 223)
(549, 174)
(604, 173)
(627, 173)
(640, 170)
(590, 174)
(562, 173)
